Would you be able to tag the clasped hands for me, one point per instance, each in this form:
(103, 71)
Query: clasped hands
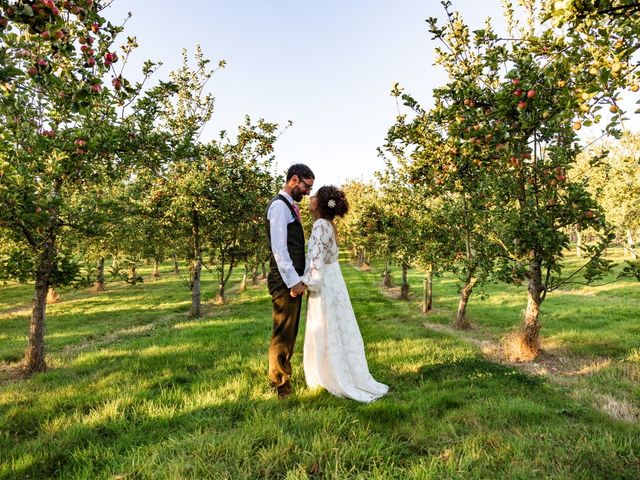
(298, 289)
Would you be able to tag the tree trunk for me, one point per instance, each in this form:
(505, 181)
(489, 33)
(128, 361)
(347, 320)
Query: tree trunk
(156, 267)
(531, 327)
(99, 285)
(176, 267)
(243, 282)
(365, 260)
(133, 274)
(254, 275)
(196, 269)
(631, 245)
(578, 244)
(223, 279)
(427, 291)
(386, 275)
(34, 358)
(462, 320)
(196, 265)
(220, 299)
(387, 281)
(404, 289)
(264, 270)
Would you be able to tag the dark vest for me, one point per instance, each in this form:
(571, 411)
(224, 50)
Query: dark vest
(295, 241)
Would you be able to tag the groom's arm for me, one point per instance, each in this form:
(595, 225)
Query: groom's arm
(279, 216)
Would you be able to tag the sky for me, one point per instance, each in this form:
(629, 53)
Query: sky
(327, 66)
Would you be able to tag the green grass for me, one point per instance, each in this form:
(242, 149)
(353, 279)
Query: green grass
(138, 390)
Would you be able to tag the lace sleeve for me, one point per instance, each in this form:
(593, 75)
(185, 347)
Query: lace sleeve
(319, 243)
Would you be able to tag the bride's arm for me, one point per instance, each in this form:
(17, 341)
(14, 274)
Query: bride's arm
(312, 277)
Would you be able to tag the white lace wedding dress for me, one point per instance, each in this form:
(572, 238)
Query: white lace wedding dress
(333, 348)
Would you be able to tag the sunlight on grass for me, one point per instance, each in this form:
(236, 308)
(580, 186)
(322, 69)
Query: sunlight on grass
(212, 323)
(634, 355)
(163, 351)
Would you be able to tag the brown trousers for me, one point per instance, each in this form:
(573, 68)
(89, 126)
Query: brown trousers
(286, 318)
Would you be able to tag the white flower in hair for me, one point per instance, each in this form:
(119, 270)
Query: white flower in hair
(331, 203)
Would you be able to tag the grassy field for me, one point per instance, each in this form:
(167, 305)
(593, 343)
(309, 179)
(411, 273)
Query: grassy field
(137, 390)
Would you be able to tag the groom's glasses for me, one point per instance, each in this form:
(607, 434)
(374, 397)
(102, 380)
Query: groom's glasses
(306, 185)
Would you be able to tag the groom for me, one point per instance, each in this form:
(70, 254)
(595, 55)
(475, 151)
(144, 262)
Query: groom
(286, 243)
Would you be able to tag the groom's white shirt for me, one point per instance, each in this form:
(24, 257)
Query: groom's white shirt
(279, 216)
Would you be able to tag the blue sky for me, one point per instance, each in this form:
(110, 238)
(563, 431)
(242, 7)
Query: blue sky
(327, 66)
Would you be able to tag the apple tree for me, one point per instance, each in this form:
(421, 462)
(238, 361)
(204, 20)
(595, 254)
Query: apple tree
(60, 134)
(508, 115)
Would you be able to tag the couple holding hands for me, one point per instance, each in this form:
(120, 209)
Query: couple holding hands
(334, 356)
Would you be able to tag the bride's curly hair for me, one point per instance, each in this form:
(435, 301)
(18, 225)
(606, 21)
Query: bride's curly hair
(331, 202)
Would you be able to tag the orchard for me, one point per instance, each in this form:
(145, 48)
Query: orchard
(490, 256)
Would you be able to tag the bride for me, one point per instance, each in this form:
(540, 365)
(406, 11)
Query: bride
(334, 355)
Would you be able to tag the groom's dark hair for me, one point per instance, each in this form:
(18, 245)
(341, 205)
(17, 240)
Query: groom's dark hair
(300, 170)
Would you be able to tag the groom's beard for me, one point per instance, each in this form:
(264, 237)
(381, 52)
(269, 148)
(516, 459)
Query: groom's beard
(297, 194)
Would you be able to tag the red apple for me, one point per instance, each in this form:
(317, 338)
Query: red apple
(515, 81)
(522, 105)
(91, 61)
(517, 92)
(45, 35)
(531, 93)
(32, 71)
